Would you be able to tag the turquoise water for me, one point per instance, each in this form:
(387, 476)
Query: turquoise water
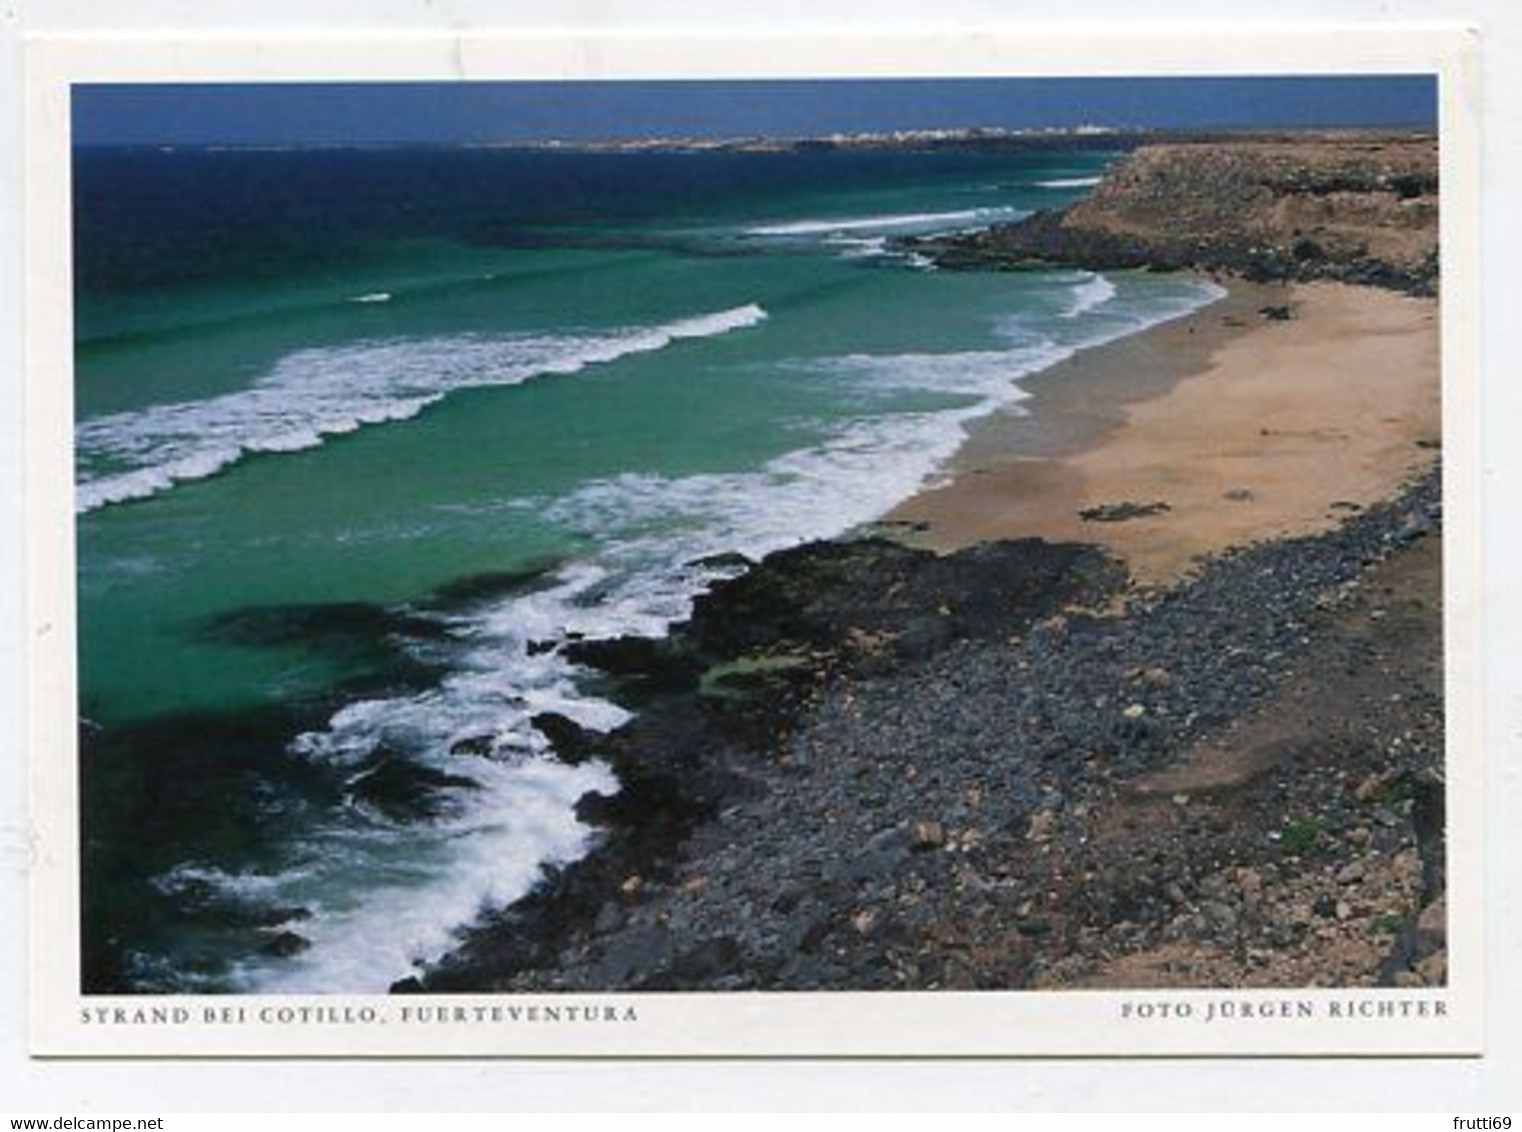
(595, 375)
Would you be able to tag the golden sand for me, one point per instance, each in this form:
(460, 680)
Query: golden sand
(1246, 427)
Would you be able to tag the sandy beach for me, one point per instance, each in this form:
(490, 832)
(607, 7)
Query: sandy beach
(1245, 427)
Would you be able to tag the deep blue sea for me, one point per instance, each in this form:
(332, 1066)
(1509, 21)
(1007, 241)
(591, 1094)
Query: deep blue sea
(361, 435)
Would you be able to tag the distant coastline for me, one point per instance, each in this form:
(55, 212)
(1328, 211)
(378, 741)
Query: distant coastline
(973, 140)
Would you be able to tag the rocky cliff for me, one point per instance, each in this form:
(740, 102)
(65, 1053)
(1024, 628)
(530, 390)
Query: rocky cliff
(1356, 208)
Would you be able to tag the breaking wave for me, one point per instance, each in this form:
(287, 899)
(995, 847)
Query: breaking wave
(318, 393)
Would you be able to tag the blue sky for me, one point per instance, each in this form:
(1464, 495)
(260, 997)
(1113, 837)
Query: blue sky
(335, 113)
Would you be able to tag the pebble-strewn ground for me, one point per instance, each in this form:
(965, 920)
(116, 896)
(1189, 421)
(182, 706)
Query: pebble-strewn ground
(912, 783)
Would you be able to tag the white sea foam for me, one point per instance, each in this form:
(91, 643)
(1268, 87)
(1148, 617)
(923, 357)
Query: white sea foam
(1106, 317)
(824, 227)
(201, 882)
(372, 297)
(1119, 317)
(859, 247)
(521, 819)
(987, 375)
(1089, 293)
(317, 393)
(1069, 183)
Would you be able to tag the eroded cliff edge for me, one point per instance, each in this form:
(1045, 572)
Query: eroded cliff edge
(1355, 208)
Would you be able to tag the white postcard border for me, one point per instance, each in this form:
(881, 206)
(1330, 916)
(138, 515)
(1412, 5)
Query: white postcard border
(1436, 1021)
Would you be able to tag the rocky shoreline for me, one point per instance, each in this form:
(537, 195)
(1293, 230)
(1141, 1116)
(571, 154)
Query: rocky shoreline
(1057, 783)
(1353, 210)
(862, 765)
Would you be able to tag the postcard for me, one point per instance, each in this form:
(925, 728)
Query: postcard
(788, 547)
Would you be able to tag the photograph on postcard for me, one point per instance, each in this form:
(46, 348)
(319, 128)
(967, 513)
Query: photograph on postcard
(876, 534)
(526, 546)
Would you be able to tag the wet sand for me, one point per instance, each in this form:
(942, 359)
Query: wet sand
(1244, 427)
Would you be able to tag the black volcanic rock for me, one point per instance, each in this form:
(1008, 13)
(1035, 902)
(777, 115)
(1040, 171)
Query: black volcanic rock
(827, 608)
(348, 624)
(283, 945)
(404, 790)
(492, 585)
(838, 597)
(573, 743)
(647, 664)
(954, 807)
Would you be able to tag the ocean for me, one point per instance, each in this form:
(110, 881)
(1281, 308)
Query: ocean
(363, 436)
